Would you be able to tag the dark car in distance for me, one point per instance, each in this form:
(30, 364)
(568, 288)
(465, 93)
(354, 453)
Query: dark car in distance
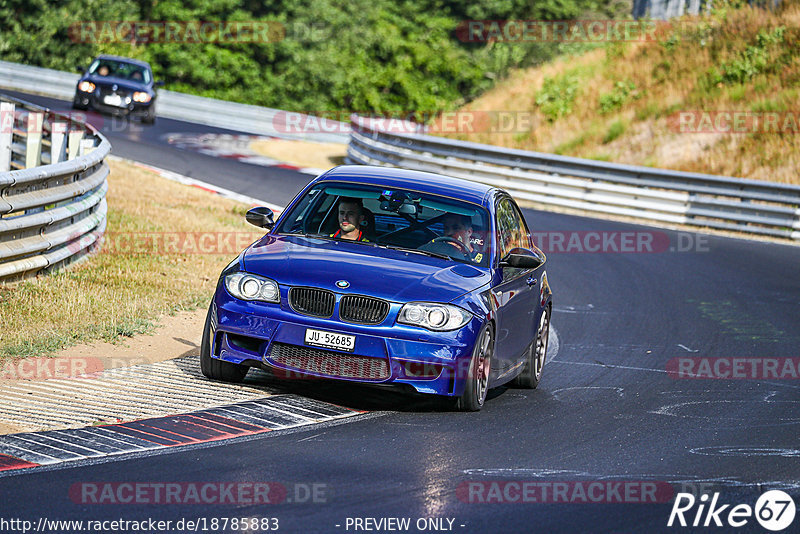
(118, 86)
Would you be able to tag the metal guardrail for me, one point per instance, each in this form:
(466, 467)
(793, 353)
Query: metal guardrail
(173, 105)
(665, 196)
(52, 189)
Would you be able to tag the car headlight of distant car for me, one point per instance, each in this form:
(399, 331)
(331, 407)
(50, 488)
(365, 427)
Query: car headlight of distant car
(141, 97)
(433, 316)
(86, 86)
(246, 286)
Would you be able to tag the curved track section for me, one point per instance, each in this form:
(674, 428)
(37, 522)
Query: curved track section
(149, 144)
(609, 410)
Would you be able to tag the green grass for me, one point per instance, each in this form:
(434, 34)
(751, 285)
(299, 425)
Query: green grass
(557, 96)
(615, 130)
(568, 146)
(114, 296)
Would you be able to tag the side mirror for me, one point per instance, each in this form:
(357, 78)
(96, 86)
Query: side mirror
(523, 258)
(79, 69)
(159, 83)
(261, 217)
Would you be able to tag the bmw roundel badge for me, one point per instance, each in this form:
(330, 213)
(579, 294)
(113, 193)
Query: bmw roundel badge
(342, 284)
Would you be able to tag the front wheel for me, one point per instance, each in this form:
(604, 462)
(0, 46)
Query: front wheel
(478, 375)
(150, 116)
(537, 352)
(214, 368)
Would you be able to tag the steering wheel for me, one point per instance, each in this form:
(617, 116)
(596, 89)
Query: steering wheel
(444, 239)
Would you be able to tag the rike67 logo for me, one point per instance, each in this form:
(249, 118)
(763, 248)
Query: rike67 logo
(774, 510)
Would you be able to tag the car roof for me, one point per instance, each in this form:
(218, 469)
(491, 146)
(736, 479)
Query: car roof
(124, 60)
(428, 182)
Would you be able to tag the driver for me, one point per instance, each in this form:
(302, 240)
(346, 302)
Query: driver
(459, 227)
(351, 217)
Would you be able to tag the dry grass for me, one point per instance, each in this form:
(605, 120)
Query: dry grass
(686, 69)
(302, 153)
(114, 294)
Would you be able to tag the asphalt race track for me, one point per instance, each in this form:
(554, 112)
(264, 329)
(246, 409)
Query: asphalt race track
(608, 411)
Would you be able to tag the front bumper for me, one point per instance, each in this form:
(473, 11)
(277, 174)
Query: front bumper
(273, 336)
(91, 101)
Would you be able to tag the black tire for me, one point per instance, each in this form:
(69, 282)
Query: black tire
(214, 368)
(537, 353)
(478, 375)
(150, 116)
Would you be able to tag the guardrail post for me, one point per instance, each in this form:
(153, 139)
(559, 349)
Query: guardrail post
(87, 145)
(6, 135)
(33, 149)
(74, 141)
(58, 148)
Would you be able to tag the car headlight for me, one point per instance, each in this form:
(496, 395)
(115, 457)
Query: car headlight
(142, 97)
(439, 317)
(86, 86)
(247, 286)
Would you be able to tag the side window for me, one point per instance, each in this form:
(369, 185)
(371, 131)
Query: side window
(521, 237)
(510, 227)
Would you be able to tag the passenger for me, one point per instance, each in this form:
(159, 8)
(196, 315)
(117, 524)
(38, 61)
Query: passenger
(459, 227)
(102, 71)
(351, 219)
(136, 76)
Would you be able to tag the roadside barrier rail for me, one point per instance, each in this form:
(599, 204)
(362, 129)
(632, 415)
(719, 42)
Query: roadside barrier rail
(52, 189)
(650, 194)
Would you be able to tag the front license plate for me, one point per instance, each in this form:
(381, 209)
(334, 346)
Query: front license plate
(330, 340)
(113, 100)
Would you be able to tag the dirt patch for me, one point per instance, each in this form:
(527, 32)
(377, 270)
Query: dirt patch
(175, 335)
(302, 153)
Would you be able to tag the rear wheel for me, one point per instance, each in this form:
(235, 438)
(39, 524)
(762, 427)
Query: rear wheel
(478, 375)
(537, 352)
(214, 368)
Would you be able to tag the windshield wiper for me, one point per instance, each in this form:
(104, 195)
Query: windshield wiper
(418, 251)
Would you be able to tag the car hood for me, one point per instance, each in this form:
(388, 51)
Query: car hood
(389, 274)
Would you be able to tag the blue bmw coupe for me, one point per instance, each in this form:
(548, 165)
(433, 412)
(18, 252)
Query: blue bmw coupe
(386, 276)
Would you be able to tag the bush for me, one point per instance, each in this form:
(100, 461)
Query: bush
(557, 95)
(614, 100)
(754, 59)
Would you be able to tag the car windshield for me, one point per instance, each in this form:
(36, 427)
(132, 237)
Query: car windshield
(393, 218)
(120, 69)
